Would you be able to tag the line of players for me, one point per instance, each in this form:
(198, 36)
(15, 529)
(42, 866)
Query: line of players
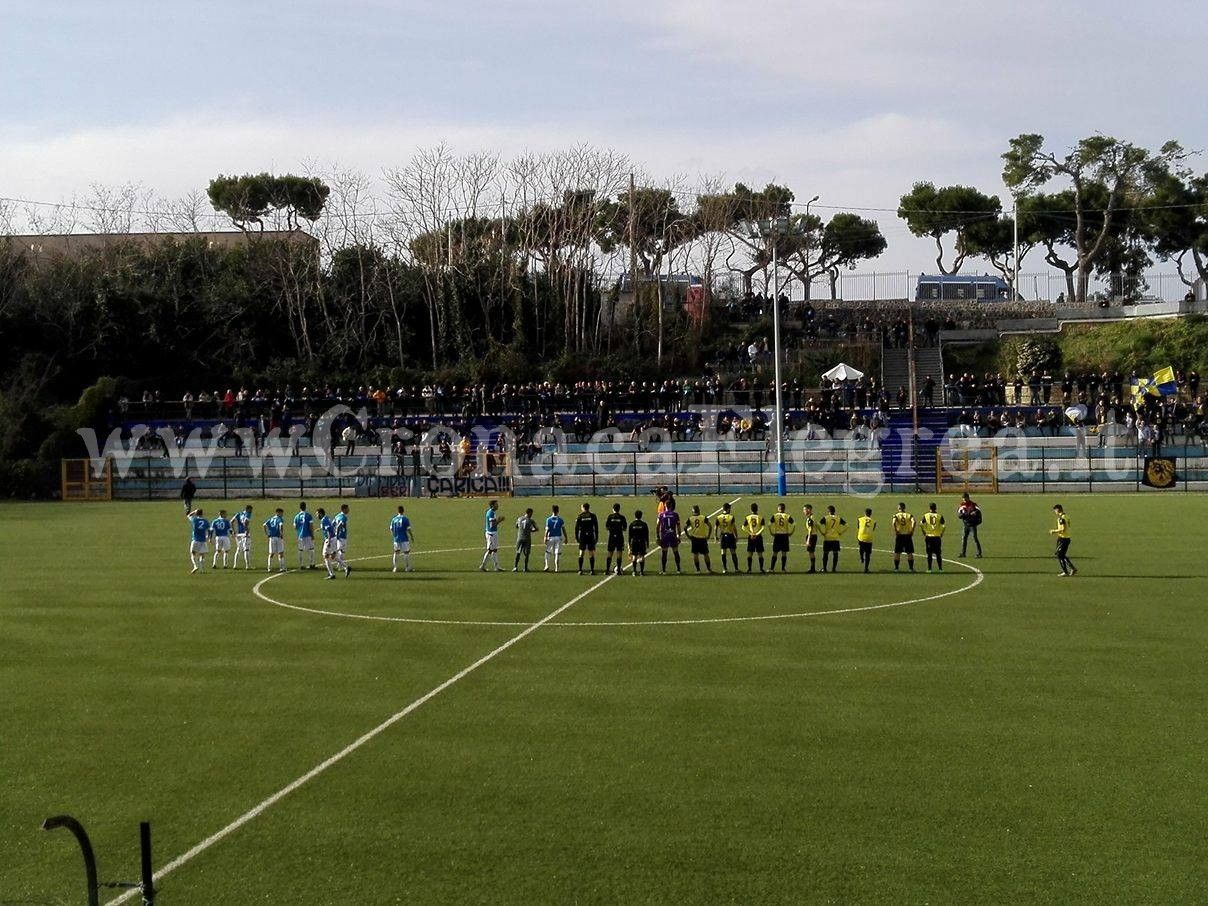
(629, 539)
(332, 529)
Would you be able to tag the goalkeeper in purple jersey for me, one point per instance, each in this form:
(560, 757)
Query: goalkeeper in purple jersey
(668, 533)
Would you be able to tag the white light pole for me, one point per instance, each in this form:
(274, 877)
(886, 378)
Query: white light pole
(1015, 253)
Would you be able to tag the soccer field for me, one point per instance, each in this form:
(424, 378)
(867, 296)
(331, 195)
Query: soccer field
(990, 734)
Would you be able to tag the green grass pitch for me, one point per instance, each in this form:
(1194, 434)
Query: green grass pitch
(1028, 739)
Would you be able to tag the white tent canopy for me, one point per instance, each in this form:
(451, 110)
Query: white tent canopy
(842, 372)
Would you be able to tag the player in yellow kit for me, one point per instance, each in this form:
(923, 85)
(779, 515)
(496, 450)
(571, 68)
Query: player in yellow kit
(754, 526)
(1062, 531)
(933, 535)
(782, 528)
(865, 527)
(903, 537)
(831, 529)
(698, 529)
(809, 526)
(727, 536)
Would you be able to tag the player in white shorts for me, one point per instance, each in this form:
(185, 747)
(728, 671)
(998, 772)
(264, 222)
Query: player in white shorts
(274, 528)
(491, 529)
(242, 523)
(402, 534)
(555, 534)
(200, 528)
(304, 526)
(340, 521)
(220, 531)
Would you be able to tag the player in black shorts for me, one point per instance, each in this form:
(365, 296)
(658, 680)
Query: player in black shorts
(639, 541)
(587, 533)
(615, 524)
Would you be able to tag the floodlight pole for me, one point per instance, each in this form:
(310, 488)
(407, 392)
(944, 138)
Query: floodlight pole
(1015, 253)
(781, 477)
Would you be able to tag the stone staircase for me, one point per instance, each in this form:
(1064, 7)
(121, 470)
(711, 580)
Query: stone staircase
(895, 370)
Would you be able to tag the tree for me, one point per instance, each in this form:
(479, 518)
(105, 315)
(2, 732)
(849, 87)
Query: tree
(818, 249)
(248, 200)
(960, 210)
(1175, 219)
(1120, 169)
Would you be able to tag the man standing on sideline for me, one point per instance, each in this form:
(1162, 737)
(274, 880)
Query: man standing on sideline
(188, 491)
(304, 527)
(639, 543)
(525, 526)
(220, 528)
(933, 535)
(727, 537)
(490, 527)
(782, 528)
(200, 527)
(866, 526)
(1062, 532)
(615, 525)
(832, 529)
(242, 524)
(971, 515)
(341, 525)
(810, 527)
(274, 530)
(402, 534)
(698, 529)
(754, 526)
(587, 534)
(903, 537)
(555, 535)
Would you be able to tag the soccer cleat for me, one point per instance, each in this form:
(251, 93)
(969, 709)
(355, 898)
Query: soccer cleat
(347, 570)
(1063, 575)
(331, 575)
(193, 570)
(580, 572)
(482, 569)
(515, 569)
(394, 569)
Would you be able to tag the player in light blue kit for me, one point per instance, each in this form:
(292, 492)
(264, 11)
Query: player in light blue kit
(341, 524)
(274, 529)
(403, 535)
(220, 531)
(200, 527)
(327, 532)
(555, 534)
(491, 530)
(304, 526)
(242, 524)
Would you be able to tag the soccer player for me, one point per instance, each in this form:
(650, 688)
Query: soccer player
(220, 531)
(615, 525)
(698, 529)
(242, 524)
(304, 526)
(587, 533)
(1062, 531)
(754, 526)
(903, 537)
(971, 515)
(933, 534)
(639, 543)
(341, 523)
(200, 527)
(491, 531)
(327, 531)
(865, 527)
(525, 526)
(727, 537)
(402, 533)
(810, 527)
(668, 527)
(555, 535)
(832, 529)
(782, 529)
(274, 530)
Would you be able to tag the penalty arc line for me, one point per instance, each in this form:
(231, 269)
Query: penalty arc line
(356, 744)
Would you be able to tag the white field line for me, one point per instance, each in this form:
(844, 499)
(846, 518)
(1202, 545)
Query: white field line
(362, 740)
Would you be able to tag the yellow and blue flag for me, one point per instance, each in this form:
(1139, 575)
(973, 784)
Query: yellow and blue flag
(1165, 383)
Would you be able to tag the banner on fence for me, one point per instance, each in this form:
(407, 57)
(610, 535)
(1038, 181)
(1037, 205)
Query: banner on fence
(1160, 472)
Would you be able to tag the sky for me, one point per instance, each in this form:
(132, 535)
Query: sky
(852, 101)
